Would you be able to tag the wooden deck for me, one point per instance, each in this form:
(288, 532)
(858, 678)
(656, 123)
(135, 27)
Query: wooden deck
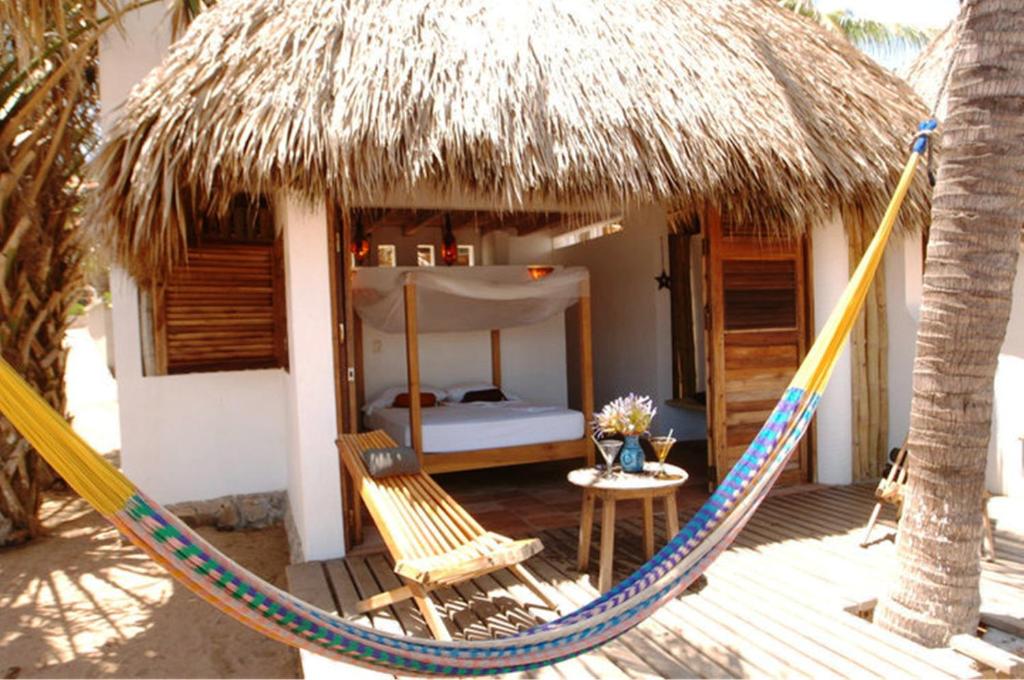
(772, 605)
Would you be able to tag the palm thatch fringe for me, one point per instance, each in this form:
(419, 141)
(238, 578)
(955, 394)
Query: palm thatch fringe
(592, 105)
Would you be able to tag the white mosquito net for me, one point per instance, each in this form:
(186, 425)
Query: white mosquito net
(464, 298)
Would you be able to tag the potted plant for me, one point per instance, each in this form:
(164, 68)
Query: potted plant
(629, 416)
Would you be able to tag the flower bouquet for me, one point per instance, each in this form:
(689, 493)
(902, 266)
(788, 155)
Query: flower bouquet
(630, 417)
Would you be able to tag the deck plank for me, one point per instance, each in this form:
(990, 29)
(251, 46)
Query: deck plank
(664, 651)
(773, 603)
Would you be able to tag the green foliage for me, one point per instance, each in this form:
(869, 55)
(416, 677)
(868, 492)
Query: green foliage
(864, 33)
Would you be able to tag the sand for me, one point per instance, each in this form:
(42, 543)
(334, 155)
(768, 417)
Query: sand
(82, 603)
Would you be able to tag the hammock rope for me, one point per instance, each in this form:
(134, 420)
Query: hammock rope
(282, 617)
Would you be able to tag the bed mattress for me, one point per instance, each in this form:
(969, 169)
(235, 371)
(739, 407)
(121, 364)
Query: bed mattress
(481, 425)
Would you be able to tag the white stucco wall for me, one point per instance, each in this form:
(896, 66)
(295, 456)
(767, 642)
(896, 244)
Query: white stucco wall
(196, 436)
(200, 435)
(903, 303)
(314, 481)
(631, 318)
(835, 414)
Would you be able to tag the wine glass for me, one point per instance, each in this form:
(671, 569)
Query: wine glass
(661, 446)
(609, 449)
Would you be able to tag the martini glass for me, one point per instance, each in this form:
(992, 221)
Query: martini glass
(661, 446)
(609, 449)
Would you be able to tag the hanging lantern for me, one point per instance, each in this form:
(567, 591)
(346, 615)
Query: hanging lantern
(538, 272)
(449, 248)
(360, 242)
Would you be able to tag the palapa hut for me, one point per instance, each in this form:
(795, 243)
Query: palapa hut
(276, 139)
(1005, 473)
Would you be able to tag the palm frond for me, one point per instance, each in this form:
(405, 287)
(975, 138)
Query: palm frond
(882, 37)
(879, 36)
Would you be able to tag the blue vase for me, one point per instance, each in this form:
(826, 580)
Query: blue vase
(631, 457)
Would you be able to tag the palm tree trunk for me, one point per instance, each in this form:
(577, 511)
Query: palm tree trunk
(977, 214)
(50, 127)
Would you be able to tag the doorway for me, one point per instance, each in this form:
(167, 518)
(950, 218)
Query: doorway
(742, 323)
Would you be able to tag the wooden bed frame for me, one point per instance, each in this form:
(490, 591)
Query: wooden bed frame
(509, 455)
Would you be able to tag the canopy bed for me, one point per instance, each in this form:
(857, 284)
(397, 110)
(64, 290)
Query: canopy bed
(482, 426)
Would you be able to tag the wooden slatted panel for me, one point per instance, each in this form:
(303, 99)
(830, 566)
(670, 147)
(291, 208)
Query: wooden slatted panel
(757, 336)
(222, 311)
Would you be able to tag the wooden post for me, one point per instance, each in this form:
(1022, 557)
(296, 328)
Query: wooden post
(412, 367)
(714, 343)
(347, 313)
(586, 369)
(337, 253)
(496, 357)
(159, 311)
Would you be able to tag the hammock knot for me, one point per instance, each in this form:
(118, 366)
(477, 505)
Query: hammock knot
(922, 144)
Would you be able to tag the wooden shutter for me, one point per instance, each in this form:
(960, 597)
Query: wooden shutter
(757, 335)
(224, 310)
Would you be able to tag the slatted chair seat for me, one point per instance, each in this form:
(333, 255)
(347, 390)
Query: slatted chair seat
(433, 541)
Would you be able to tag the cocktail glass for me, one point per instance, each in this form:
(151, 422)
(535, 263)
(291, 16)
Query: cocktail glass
(609, 449)
(661, 446)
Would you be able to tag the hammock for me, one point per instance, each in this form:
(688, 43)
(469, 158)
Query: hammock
(280, 616)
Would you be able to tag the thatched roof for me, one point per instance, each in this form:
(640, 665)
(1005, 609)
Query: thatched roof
(929, 69)
(590, 104)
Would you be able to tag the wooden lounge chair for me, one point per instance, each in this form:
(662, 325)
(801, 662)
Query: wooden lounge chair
(434, 542)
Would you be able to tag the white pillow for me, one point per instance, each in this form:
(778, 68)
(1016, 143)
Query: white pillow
(455, 393)
(386, 398)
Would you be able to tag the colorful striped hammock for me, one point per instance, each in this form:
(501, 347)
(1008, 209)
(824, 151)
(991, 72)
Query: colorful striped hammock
(280, 616)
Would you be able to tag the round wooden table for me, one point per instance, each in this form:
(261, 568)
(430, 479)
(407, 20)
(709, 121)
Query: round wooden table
(622, 486)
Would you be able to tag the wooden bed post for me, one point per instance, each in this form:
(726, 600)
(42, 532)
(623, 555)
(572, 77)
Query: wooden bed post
(496, 357)
(412, 367)
(586, 369)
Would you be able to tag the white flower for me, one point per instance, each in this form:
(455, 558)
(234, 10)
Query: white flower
(629, 415)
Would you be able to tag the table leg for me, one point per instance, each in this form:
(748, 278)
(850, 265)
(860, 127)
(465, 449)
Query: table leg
(648, 527)
(604, 579)
(671, 515)
(586, 529)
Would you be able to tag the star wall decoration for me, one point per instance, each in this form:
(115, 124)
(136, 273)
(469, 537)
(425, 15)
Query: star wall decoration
(663, 279)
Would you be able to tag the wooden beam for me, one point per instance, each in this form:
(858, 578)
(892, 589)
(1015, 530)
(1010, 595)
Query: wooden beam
(478, 459)
(714, 343)
(586, 370)
(412, 367)
(336, 249)
(419, 219)
(347, 314)
(542, 221)
(988, 654)
(496, 357)
(385, 599)
(1005, 623)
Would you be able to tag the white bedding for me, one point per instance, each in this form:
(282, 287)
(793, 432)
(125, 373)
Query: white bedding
(481, 425)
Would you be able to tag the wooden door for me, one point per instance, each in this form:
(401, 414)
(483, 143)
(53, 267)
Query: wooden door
(346, 340)
(757, 333)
